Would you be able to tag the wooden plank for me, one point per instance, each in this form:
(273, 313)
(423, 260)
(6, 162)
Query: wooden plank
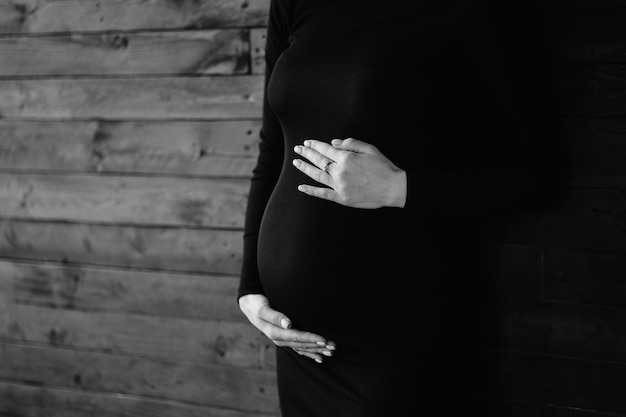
(124, 199)
(45, 401)
(567, 329)
(197, 296)
(146, 53)
(589, 219)
(583, 36)
(592, 91)
(516, 271)
(211, 97)
(597, 148)
(177, 339)
(579, 4)
(40, 16)
(550, 411)
(257, 50)
(505, 409)
(562, 381)
(198, 148)
(235, 388)
(162, 248)
(585, 276)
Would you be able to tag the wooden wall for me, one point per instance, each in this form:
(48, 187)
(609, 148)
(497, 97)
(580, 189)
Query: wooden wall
(128, 131)
(561, 275)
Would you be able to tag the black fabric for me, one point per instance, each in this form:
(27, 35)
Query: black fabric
(429, 84)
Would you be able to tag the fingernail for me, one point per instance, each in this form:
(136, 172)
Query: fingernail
(306, 143)
(295, 162)
(297, 148)
(331, 347)
(321, 343)
(285, 323)
(318, 360)
(327, 353)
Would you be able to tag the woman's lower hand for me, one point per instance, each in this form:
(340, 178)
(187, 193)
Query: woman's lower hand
(358, 174)
(277, 327)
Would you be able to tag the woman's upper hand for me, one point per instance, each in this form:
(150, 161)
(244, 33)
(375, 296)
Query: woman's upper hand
(277, 327)
(358, 174)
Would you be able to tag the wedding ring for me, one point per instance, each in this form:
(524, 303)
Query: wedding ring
(327, 165)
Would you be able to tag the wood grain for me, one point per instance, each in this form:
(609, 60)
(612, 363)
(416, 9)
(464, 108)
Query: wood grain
(562, 381)
(40, 16)
(76, 54)
(585, 276)
(162, 248)
(576, 412)
(596, 151)
(120, 199)
(154, 293)
(591, 218)
(191, 148)
(590, 36)
(258, 38)
(592, 91)
(211, 97)
(48, 401)
(516, 271)
(176, 339)
(218, 386)
(582, 331)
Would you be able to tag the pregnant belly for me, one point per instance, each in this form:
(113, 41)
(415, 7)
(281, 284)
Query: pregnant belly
(308, 251)
(328, 266)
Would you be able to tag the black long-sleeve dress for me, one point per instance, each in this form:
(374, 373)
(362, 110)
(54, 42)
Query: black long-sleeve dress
(426, 83)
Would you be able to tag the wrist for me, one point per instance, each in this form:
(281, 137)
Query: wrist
(398, 190)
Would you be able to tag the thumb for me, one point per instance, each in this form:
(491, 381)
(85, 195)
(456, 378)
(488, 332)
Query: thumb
(353, 145)
(275, 317)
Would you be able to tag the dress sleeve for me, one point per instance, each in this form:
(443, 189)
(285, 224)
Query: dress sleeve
(512, 161)
(271, 150)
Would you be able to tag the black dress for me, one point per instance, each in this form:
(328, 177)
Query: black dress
(394, 288)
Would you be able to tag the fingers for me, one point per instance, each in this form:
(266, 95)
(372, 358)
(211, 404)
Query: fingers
(353, 145)
(315, 173)
(278, 328)
(322, 148)
(299, 342)
(325, 193)
(316, 355)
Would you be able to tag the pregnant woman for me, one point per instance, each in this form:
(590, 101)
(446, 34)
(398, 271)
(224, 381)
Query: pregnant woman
(390, 131)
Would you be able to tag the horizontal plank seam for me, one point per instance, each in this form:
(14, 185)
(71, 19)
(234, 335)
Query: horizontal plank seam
(554, 356)
(78, 119)
(125, 354)
(601, 413)
(98, 265)
(130, 31)
(132, 396)
(119, 312)
(126, 174)
(120, 224)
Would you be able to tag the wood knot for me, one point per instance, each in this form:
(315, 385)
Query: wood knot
(221, 346)
(119, 42)
(56, 337)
